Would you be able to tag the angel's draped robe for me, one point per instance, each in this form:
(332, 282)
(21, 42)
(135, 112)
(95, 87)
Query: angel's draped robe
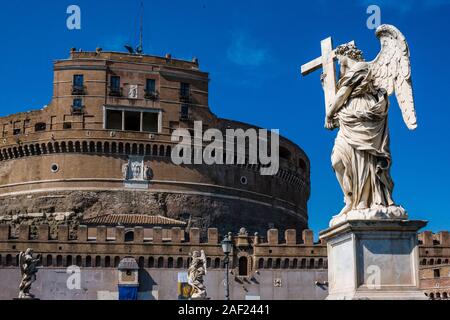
(361, 150)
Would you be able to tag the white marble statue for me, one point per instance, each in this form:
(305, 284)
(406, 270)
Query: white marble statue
(28, 269)
(196, 273)
(361, 156)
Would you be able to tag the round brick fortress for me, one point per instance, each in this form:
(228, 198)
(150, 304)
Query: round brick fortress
(112, 113)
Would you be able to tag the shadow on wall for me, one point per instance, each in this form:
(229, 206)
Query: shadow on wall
(147, 286)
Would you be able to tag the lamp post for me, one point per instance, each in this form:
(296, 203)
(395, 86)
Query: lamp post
(227, 247)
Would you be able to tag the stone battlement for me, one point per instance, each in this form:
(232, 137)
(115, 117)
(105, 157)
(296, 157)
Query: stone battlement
(173, 236)
(167, 248)
(430, 239)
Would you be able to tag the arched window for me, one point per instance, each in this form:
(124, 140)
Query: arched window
(151, 262)
(148, 150)
(88, 262)
(106, 147)
(311, 264)
(294, 264)
(8, 261)
(439, 261)
(320, 266)
(79, 261)
(129, 236)
(438, 296)
(141, 262)
(98, 261)
(278, 263)
(161, 151)
(217, 263)
(49, 261)
(180, 263)
(432, 296)
(424, 262)
(243, 266)
(208, 262)
(134, 149)
(303, 264)
(59, 261)
(155, 150)
(69, 261)
(269, 263)
(261, 263)
(431, 262)
(107, 262)
(445, 296)
(286, 264)
(116, 262)
(160, 262)
(170, 263)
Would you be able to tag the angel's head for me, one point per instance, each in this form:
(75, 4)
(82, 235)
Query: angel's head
(348, 55)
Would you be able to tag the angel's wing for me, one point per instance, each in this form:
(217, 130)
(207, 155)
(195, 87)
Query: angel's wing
(22, 262)
(203, 257)
(391, 71)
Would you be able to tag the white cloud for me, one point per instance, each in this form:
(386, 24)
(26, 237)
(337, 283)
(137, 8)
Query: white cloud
(244, 51)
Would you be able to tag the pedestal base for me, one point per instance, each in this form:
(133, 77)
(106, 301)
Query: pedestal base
(373, 259)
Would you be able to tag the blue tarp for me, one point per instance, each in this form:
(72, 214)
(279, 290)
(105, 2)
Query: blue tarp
(128, 293)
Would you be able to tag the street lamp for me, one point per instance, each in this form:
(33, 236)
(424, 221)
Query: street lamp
(227, 246)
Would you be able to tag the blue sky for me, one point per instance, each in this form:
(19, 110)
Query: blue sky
(253, 50)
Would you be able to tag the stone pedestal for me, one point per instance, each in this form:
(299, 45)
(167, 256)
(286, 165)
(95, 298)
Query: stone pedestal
(373, 259)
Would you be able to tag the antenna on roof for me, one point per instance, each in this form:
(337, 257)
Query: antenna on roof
(140, 48)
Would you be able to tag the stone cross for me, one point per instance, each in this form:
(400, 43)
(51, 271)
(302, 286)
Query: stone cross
(326, 62)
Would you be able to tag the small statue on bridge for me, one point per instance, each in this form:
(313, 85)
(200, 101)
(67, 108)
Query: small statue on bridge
(28, 267)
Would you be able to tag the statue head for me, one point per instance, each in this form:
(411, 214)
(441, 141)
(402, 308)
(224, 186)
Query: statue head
(349, 51)
(348, 55)
(29, 251)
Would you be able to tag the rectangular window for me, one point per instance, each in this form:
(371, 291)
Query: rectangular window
(151, 86)
(185, 90)
(115, 89)
(132, 121)
(115, 82)
(184, 112)
(437, 273)
(113, 120)
(67, 125)
(77, 104)
(150, 122)
(78, 80)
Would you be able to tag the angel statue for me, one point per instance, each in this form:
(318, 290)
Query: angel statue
(196, 272)
(28, 269)
(361, 156)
